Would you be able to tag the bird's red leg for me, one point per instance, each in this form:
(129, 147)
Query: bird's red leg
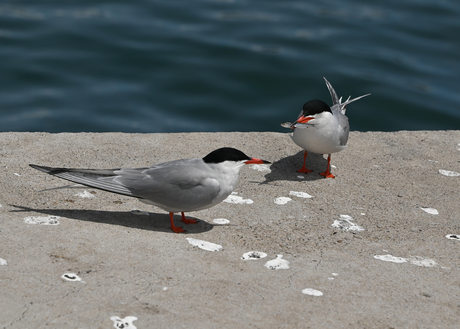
(187, 220)
(174, 228)
(327, 173)
(304, 169)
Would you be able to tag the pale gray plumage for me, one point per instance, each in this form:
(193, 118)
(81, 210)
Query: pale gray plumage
(174, 186)
(322, 129)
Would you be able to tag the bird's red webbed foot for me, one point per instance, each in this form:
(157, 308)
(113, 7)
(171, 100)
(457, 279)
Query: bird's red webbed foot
(188, 220)
(304, 169)
(177, 229)
(173, 227)
(327, 173)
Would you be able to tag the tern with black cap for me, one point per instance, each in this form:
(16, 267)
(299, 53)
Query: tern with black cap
(322, 129)
(174, 186)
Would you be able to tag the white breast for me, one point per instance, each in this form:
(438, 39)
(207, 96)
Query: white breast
(323, 137)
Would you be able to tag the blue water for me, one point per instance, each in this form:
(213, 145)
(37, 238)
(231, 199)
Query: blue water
(226, 65)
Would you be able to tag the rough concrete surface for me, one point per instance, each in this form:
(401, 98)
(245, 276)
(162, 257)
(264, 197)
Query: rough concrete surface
(401, 271)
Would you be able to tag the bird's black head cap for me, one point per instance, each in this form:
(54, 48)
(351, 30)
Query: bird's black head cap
(225, 154)
(315, 106)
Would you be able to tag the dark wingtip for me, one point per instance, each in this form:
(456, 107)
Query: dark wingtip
(47, 170)
(41, 168)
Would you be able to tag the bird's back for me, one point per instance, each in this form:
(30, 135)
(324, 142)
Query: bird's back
(182, 185)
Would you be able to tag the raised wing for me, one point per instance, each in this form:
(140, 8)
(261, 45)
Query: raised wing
(338, 101)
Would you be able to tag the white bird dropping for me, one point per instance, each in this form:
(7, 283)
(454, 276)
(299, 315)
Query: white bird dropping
(42, 220)
(205, 245)
(282, 200)
(300, 194)
(277, 264)
(425, 262)
(431, 211)
(221, 221)
(448, 173)
(345, 223)
(126, 323)
(234, 198)
(312, 292)
(70, 277)
(390, 258)
(253, 255)
(453, 236)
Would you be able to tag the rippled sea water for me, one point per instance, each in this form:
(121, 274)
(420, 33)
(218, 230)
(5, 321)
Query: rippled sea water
(175, 66)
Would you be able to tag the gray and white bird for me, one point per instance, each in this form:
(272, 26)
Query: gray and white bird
(174, 186)
(322, 129)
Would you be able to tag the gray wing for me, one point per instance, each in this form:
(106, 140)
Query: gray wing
(343, 137)
(335, 98)
(183, 182)
(98, 178)
(344, 125)
(338, 101)
(180, 182)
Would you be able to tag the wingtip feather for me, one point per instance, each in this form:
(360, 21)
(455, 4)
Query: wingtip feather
(48, 170)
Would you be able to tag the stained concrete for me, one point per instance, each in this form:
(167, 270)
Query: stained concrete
(134, 265)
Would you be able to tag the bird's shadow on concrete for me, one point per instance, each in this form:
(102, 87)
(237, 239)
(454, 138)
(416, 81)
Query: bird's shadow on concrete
(151, 222)
(286, 168)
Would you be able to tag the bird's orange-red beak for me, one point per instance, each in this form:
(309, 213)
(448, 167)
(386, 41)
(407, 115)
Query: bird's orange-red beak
(304, 119)
(256, 161)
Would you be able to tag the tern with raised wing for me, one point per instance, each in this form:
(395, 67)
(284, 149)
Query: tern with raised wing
(322, 129)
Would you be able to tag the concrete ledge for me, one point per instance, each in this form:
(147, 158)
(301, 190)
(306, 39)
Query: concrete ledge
(400, 271)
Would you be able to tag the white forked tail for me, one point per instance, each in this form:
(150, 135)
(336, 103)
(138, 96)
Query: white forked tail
(338, 101)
